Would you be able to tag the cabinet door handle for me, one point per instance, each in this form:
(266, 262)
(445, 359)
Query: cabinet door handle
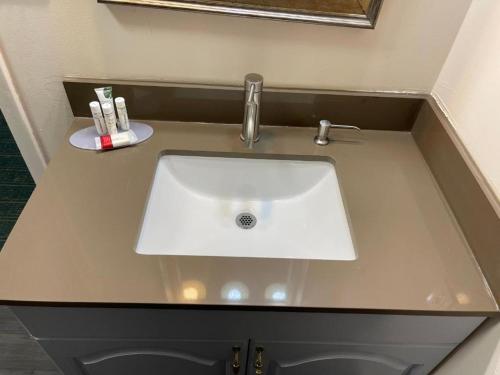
(259, 360)
(236, 359)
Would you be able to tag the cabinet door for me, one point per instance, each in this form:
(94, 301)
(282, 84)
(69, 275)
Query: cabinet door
(296, 358)
(158, 357)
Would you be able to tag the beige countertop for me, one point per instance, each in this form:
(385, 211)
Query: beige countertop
(74, 242)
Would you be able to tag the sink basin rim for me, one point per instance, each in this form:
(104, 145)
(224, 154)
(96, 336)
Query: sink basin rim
(250, 156)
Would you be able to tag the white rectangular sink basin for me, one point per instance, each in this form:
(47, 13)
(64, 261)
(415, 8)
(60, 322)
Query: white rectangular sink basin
(241, 207)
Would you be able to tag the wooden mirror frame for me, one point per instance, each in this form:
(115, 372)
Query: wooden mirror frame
(366, 21)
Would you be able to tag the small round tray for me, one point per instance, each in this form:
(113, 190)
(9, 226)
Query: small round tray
(85, 138)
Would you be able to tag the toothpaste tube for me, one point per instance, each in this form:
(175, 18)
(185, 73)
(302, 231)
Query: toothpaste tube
(105, 95)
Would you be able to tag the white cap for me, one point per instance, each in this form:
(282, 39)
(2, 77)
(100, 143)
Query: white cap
(95, 107)
(120, 102)
(107, 108)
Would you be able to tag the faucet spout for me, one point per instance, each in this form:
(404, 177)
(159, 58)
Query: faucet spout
(253, 89)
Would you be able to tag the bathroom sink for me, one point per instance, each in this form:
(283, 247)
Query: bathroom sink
(245, 207)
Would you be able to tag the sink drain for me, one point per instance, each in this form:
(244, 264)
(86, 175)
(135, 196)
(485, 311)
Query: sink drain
(246, 220)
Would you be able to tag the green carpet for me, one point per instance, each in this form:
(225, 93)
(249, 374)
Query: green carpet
(16, 184)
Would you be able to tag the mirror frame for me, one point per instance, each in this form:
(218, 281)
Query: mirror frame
(367, 21)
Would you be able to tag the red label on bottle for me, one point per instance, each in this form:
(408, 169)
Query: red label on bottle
(106, 142)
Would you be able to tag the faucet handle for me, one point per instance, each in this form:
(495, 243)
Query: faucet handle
(323, 129)
(251, 95)
(251, 114)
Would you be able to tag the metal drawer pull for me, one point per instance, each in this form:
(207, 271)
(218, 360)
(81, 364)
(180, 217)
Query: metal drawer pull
(259, 361)
(236, 359)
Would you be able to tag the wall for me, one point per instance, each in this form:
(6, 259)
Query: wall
(469, 84)
(23, 131)
(467, 88)
(32, 52)
(45, 40)
(480, 355)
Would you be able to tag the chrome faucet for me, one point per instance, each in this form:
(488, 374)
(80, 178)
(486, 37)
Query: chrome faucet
(251, 120)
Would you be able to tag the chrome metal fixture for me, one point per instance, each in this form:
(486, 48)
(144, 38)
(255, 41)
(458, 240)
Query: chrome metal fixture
(236, 359)
(323, 129)
(251, 120)
(259, 360)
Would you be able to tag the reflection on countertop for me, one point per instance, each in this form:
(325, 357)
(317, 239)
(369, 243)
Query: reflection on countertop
(75, 240)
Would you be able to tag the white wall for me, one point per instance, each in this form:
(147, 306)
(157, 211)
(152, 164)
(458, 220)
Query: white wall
(478, 356)
(45, 40)
(469, 87)
(14, 111)
(406, 50)
(32, 52)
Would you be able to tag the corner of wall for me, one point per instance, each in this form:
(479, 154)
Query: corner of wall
(19, 123)
(479, 355)
(465, 92)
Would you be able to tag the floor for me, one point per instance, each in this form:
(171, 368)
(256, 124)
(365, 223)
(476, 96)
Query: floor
(19, 353)
(16, 184)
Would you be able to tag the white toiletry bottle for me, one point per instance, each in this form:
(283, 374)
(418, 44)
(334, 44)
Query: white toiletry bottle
(110, 118)
(100, 126)
(121, 108)
(108, 142)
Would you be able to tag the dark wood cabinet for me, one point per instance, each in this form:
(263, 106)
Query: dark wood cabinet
(304, 358)
(126, 341)
(158, 357)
